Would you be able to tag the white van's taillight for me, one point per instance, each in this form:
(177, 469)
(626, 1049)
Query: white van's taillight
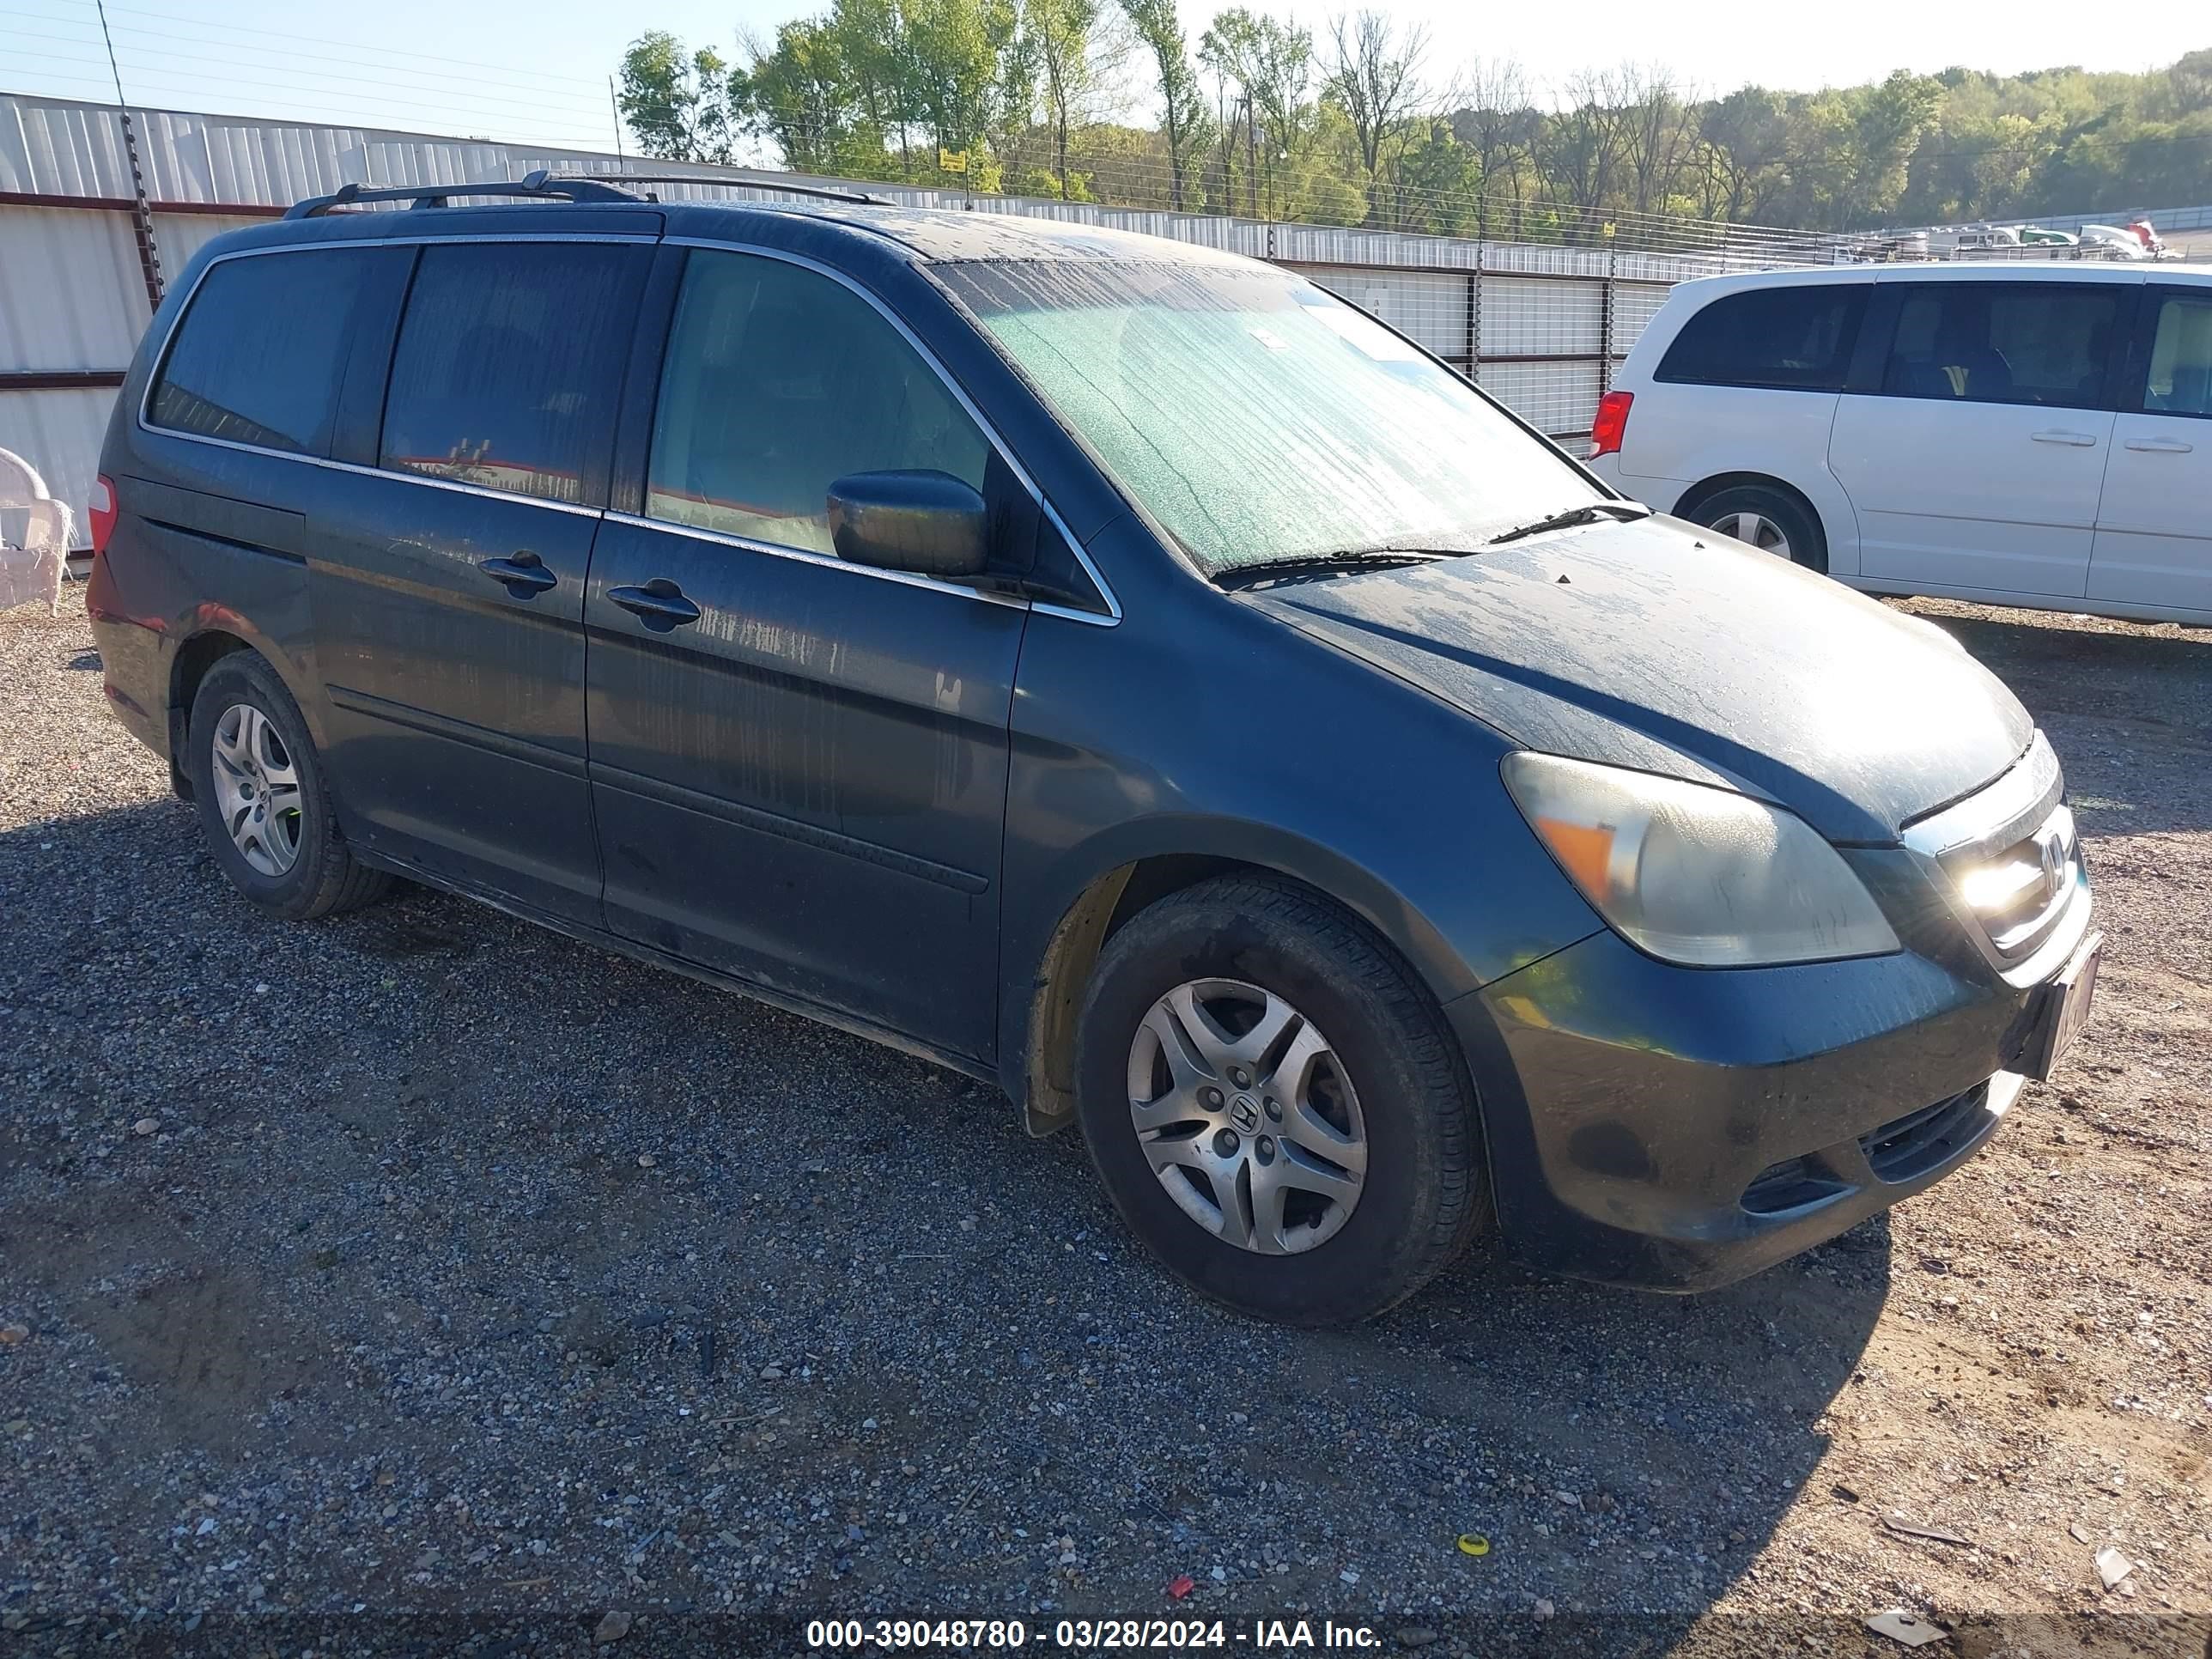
(1612, 423)
(103, 513)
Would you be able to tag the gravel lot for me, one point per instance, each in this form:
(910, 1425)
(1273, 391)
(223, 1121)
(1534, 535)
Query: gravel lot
(424, 1282)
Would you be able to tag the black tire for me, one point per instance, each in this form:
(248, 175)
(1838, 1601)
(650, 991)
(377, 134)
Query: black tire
(324, 877)
(1799, 524)
(1424, 1195)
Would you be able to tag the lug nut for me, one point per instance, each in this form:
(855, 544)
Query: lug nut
(1266, 1149)
(1224, 1143)
(1239, 1076)
(1275, 1110)
(1211, 1096)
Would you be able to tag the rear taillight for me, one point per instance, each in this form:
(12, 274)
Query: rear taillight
(103, 513)
(1612, 423)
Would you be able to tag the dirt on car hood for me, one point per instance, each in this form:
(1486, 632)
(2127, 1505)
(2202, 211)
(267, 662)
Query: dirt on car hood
(1657, 645)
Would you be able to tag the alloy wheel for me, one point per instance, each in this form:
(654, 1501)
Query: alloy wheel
(257, 789)
(1247, 1116)
(1754, 530)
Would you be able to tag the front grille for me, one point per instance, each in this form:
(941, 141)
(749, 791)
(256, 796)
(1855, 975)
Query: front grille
(2009, 855)
(1906, 1148)
(1789, 1185)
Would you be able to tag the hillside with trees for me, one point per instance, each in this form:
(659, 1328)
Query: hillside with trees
(1356, 122)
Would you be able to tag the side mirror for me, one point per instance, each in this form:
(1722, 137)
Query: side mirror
(929, 523)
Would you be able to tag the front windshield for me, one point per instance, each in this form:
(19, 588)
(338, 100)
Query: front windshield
(1260, 419)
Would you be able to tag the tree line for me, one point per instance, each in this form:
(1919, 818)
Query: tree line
(1356, 123)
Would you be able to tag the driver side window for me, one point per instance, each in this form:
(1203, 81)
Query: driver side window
(779, 381)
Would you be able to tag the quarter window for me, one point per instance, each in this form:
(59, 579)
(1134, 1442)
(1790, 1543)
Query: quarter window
(2180, 381)
(1798, 337)
(2003, 342)
(258, 355)
(779, 381)
(508, 363)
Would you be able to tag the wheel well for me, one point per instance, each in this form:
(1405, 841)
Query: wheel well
(1056, 1000)
(1699, 494)
(194, 657)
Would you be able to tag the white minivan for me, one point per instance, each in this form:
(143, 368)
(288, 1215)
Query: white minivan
(2034, 434)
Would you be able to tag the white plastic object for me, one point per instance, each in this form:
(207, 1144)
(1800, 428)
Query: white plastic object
(34, 537)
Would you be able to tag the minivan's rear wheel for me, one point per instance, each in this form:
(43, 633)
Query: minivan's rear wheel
(263, 803)
(1274, 1106)
(1768, 520)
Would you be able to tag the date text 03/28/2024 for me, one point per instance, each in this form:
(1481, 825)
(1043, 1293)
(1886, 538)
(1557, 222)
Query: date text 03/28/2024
(1086, 1634)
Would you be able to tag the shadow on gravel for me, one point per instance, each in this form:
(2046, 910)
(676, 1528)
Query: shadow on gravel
(696, 1303)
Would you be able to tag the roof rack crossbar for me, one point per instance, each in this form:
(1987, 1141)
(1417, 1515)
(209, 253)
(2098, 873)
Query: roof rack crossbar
(818, 192)
(536, 186)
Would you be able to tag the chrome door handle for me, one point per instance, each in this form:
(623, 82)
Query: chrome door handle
(2078, 440)
(2160, 446)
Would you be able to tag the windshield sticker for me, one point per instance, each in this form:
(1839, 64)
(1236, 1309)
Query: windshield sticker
(1273, 341)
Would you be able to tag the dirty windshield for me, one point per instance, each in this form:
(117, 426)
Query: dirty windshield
(1260, 419)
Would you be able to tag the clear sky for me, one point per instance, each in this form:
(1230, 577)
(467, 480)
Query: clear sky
(537, 69)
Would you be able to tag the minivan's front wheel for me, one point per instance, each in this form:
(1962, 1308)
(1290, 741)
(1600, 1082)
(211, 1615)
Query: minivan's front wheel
(1768, 520)
(263, 803)
(1274, 1106)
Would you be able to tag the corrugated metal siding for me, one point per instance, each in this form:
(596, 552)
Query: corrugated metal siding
(59, 432)
(71, 297)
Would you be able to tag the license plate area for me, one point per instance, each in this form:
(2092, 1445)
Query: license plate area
(2062, 1010)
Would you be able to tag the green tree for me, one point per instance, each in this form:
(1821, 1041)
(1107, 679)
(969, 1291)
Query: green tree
(677, 103)
(1183, 112)
(1062, 34)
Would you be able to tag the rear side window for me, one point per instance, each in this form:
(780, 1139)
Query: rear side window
(1797, 338)
(2003, 342)
(2180, 357)
(258, 355)
(779, 381)
(508, 364)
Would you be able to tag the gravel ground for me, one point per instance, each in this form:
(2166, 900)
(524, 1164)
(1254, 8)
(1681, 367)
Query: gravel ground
(421, 1281)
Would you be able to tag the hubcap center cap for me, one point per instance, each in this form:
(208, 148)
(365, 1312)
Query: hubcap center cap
(1244, 1113)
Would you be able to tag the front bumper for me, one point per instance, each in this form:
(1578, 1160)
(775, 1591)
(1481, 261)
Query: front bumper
(1676, 1128)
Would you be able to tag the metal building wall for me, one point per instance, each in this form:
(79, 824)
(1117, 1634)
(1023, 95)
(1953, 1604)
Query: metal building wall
(1538, 325)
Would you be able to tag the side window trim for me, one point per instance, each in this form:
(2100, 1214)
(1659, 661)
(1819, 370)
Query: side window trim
(142, 411)
(1856, 295)
(2142, 341)
(1109, 617)
(2119, 353)
(158, 369)
(641, 389)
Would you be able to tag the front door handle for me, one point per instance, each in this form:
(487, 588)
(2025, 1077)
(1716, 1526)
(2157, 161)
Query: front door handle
(524, 575)
(659, 605)
(2160, 446)
(2078, 440)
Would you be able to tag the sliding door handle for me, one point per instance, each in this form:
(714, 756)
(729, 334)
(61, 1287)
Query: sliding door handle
(523, 575)
(2160, 446)
(2078, 440)
(659, 605)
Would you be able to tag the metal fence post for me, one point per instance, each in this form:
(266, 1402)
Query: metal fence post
(142, 217)
(1611, 292)
(1474, 293)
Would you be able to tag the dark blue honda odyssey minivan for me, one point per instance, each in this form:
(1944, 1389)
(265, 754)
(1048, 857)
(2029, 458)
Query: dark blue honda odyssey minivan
(1108, 667)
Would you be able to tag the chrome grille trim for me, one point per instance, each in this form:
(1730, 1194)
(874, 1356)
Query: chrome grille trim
(2019, 820)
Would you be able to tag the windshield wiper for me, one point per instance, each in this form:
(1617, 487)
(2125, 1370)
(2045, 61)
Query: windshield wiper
(1574, 515)
(1323, 564)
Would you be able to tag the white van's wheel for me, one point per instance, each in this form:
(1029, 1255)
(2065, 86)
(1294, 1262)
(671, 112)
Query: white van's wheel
(1768, 520)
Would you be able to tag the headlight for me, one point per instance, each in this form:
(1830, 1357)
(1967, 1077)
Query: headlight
(1695, 875)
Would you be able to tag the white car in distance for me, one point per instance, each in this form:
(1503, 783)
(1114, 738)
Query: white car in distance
(2030, 434)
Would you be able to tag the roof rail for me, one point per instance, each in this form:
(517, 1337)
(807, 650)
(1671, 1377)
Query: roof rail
(819, 193)
(537, 186)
